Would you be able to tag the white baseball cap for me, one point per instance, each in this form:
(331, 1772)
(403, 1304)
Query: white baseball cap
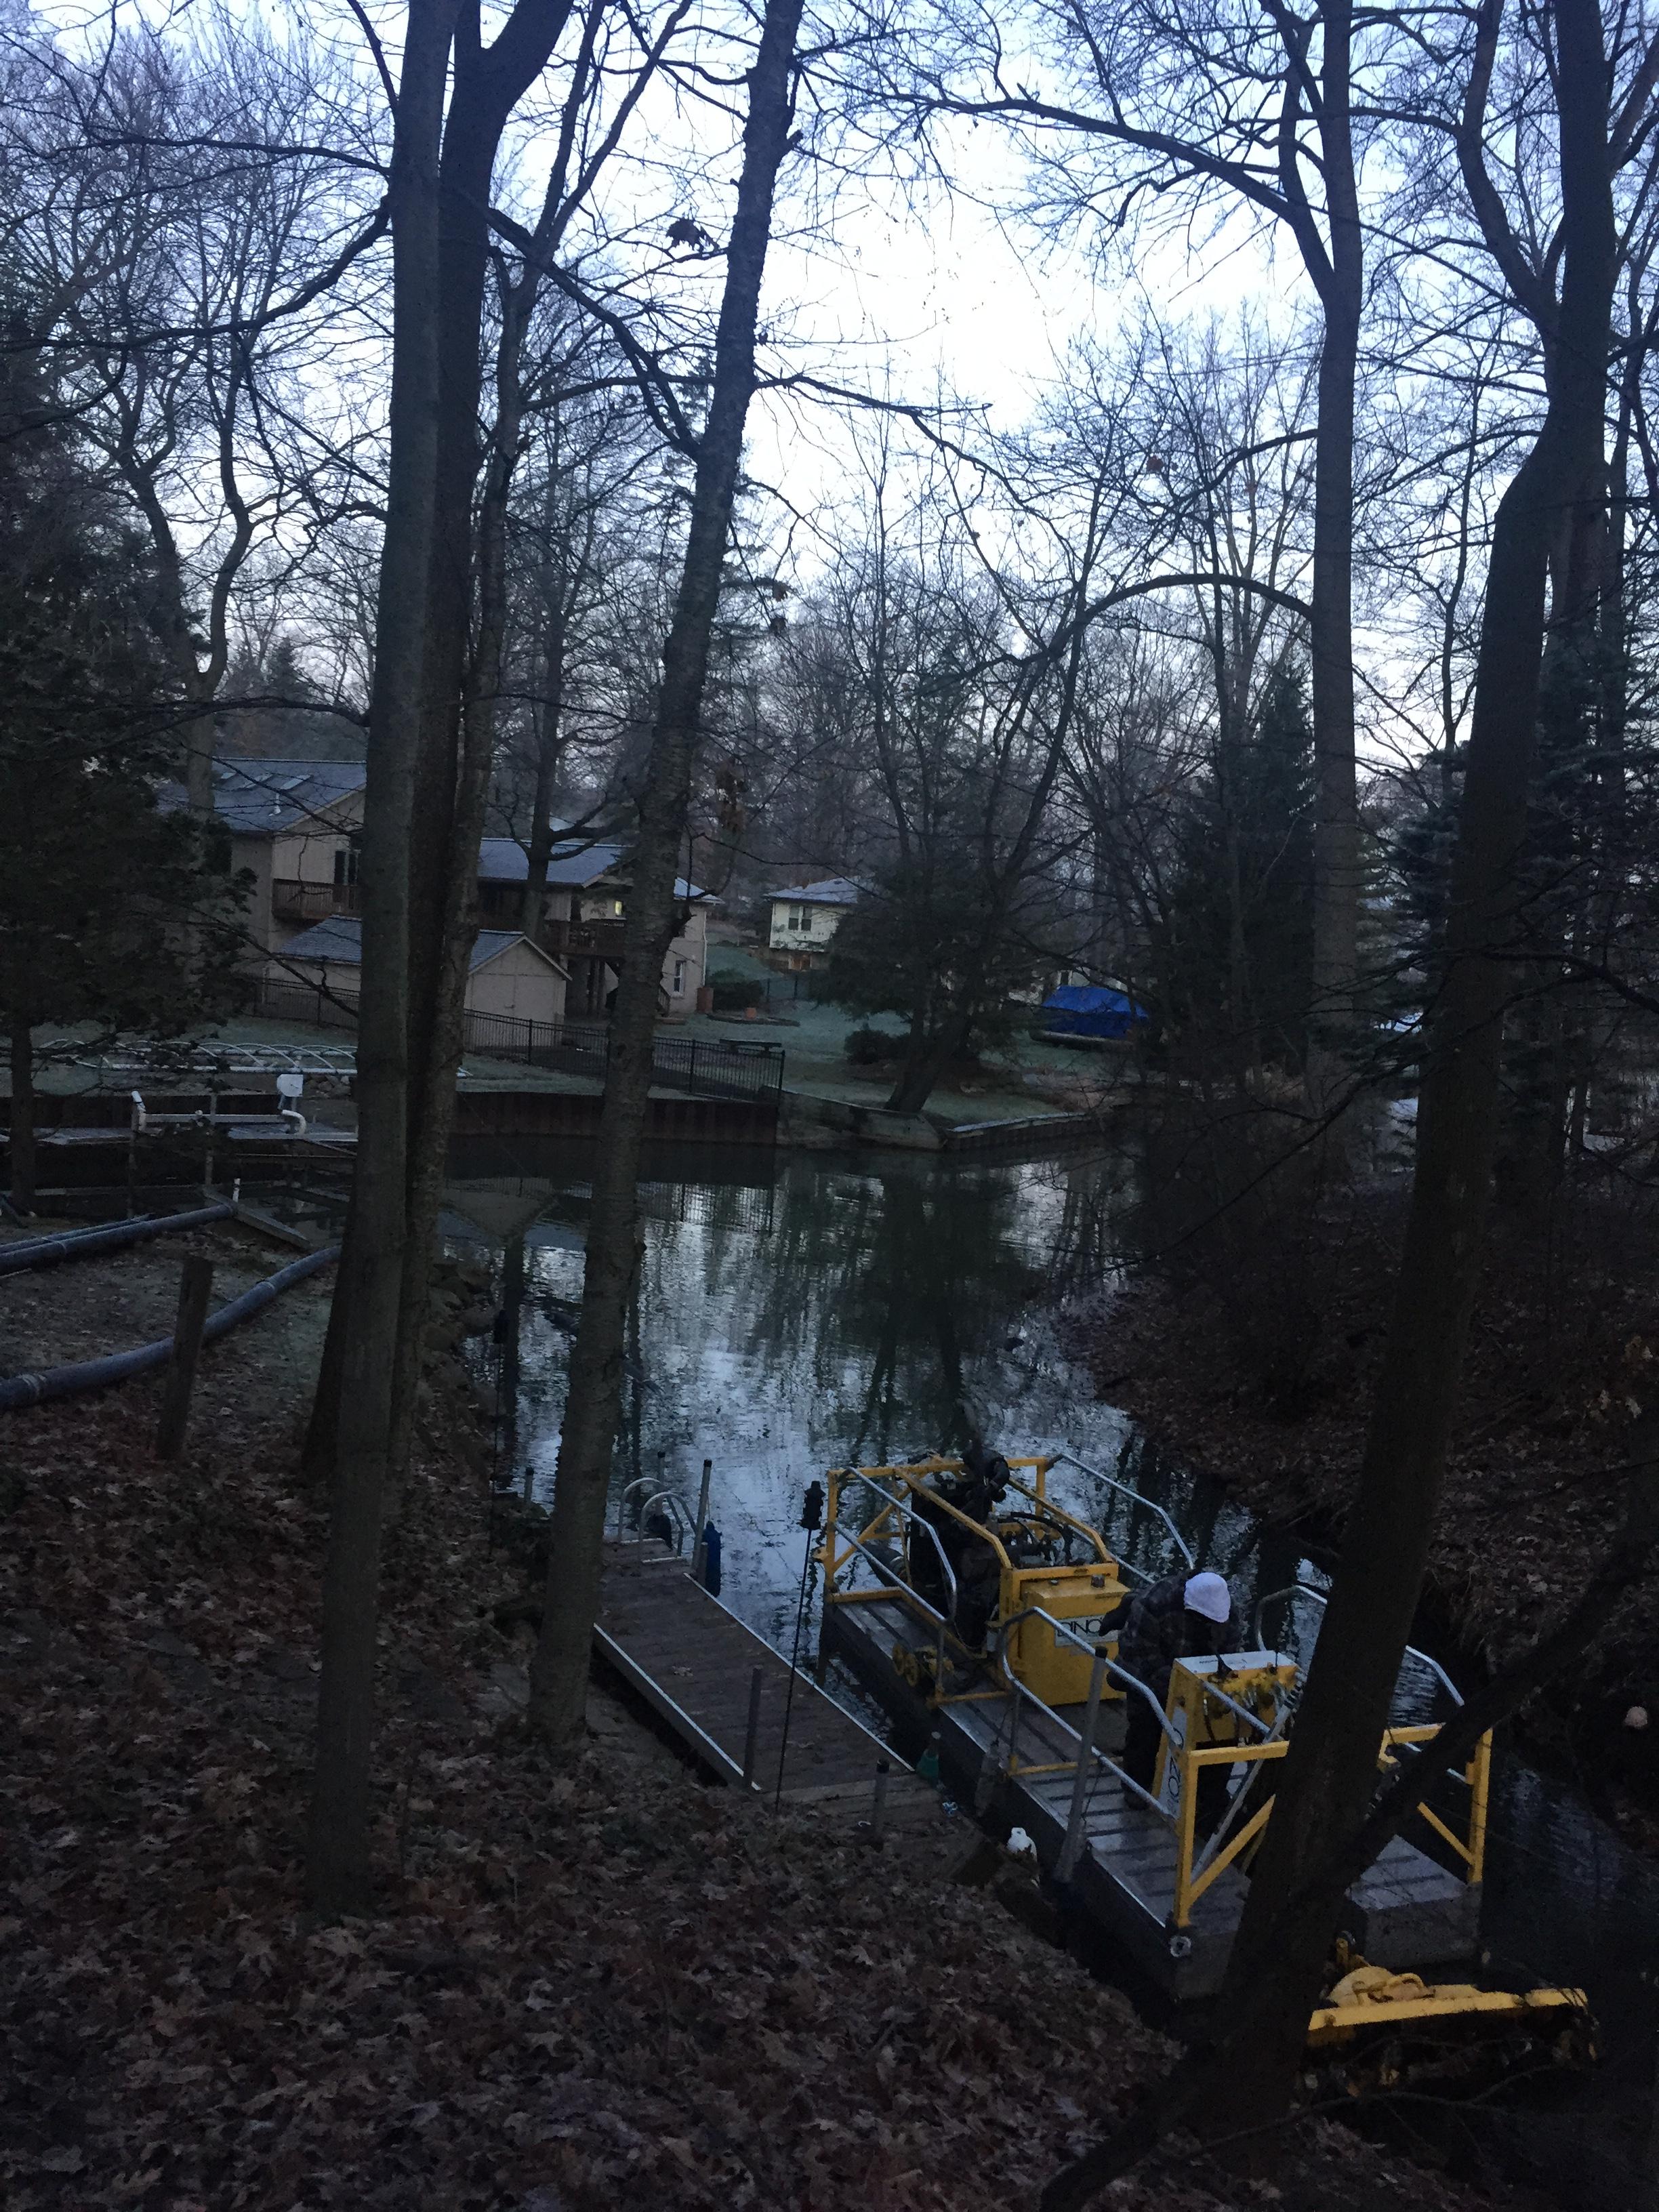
(1208, 1594)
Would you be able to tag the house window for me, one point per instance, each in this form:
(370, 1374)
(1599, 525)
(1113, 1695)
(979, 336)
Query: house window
(796, 917)
(346, 859)
(679, 990)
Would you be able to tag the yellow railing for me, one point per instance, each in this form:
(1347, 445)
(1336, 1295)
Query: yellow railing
(888, 1524)
(898, 1487)
(1192, 1760)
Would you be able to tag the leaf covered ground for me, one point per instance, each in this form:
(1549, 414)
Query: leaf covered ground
(592, 1982)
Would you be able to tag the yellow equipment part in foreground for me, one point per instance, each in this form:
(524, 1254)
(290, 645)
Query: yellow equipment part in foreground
(1371, 1997)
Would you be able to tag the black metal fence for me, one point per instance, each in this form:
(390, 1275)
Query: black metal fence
(706, 1067)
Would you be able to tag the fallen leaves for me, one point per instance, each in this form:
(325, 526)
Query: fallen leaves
(593, 1984)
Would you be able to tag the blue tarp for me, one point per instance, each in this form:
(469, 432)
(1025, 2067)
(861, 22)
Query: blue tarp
(1090, 1010)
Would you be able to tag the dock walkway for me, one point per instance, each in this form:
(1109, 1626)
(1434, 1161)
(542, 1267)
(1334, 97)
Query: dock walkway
(693, 1662)
(1406, 1910)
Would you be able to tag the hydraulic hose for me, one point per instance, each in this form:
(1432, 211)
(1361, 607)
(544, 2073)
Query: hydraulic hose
(81, 1375)
(76, 1244)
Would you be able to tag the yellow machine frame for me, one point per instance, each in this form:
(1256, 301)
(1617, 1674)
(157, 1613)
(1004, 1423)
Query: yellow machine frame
(1368, 2003)
(1053, 1671)
(1201, 1705)
(1202, 1723)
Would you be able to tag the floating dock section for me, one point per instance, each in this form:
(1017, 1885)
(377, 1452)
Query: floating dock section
(1407, 1911)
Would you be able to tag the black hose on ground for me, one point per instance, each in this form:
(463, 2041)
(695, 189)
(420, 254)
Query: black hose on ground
(81, 1375)
(76, 1244)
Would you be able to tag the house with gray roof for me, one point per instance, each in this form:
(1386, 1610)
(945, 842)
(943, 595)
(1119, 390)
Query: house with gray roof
(294, 825)
(582, 919)
(805, 919)
(508, 974)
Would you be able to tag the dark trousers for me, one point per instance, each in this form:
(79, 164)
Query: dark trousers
(1141, 1746)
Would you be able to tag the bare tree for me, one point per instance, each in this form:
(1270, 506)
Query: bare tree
(559, 1669)
(339, 1866)
(1244, 2076)
(185, 234)
(1186, 104)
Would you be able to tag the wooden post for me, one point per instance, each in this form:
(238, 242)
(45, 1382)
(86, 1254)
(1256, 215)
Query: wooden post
(878, 1802)
(751, 1734)
(1070, 1849)
(195, 1288)
(699, 1549)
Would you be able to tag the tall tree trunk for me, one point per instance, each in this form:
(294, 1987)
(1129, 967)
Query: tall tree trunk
(431, 1128)
(339, 1868)
(559, 1671)
(1330, 1773)
(1336, 811)
(452, 767)
(22, 1115)
(198, 737)
(489, 83)
(1243, 2083)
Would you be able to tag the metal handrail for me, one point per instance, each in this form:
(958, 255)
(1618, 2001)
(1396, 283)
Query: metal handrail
(1069, 1521)
(1112, 1667)
(897, 1506)
(1323, 1598)
(679, 1514)
(910, 1475)
(890, 1577)
(1097, 1474)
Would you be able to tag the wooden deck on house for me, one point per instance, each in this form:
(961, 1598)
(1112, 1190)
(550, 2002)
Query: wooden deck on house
(693, 1662)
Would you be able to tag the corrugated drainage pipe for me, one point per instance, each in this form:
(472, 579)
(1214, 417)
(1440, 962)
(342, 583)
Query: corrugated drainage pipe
(95, 1374)
(76, 1244)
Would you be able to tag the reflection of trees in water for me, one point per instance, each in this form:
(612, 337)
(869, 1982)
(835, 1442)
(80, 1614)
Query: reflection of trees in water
(856, 1310)
(889, 1282)
(1086, 1246)
(1255, 1556)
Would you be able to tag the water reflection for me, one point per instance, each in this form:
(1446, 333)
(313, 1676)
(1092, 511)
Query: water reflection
(796, 1311)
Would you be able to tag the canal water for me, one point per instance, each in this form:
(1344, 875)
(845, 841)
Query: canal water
(797, 1312)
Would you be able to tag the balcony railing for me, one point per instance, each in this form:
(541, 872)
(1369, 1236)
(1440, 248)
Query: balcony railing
(298, 902)
(604, 939)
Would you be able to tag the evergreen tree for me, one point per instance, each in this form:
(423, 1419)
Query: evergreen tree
(113, 911)
(1235, 952)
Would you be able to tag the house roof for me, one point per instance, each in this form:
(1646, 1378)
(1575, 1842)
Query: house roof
(569, 866)
(831, 891)
(263, 797)
(340, 938)
(504, 861)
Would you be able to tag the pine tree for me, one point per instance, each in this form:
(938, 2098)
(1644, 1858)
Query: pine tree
(113, 911)
(1235, 954)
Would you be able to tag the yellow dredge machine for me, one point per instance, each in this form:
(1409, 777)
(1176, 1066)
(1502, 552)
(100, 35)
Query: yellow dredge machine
(1048, 1592)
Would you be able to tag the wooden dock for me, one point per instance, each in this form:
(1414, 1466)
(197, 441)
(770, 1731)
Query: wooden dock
(1407, 1911)
(693, 1662)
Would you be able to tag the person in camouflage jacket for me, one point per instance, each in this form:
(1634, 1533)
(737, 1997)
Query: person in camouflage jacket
(1181, 1616)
